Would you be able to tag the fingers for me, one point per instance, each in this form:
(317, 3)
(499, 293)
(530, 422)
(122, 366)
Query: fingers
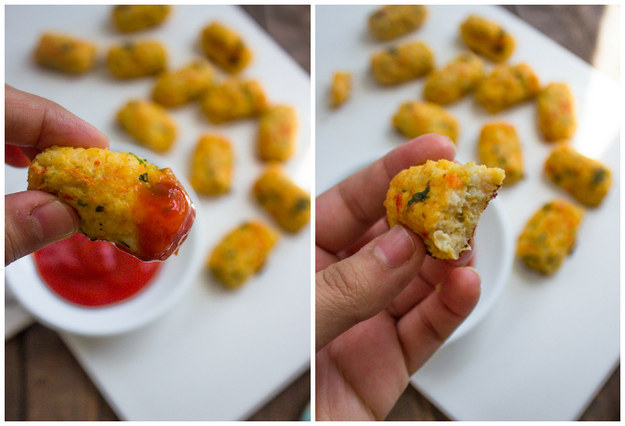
(426, 327)
(433, 272)
(32, 121)
(357, 202)
(34, 219)
(357, 288)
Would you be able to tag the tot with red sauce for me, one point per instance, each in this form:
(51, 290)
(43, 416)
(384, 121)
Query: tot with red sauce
(119, 197)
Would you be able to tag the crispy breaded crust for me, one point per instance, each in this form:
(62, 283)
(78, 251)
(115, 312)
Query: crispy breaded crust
(416, 118)
(136, 59)
(401, 63)
(108, 190)
(442, 201)
(506, 86)
(487, 38)
(129, 18)
(555, 108)
(212, 164)
(241, 253)
(234, 99)
(149, 123)
(391, 21)
(499, 146)
(65, 53)
(341, 88)
(277, 131)
(454, 80)
(586, 179)
(225, 47)
(549, 236)
(287, 203)
(182, 86)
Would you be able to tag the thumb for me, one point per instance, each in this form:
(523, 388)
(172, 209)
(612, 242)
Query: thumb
(360, 286)
(34, 219)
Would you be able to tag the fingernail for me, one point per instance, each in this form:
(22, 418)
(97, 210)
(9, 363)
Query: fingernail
(476, 273)
(453, 145)
(53, 221)
(395, 247)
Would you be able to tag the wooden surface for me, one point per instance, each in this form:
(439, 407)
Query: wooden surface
(43, 381)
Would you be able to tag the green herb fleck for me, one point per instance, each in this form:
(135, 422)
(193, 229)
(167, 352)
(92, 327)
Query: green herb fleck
(598, 176)
(301, 205)
(82, 203)
(144, 177)
(392, 50)
(99, 209)
(139, 159)
(420, 196)
(124, 244)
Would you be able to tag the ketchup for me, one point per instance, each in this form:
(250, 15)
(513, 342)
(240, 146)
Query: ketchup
(164, 214)
(92, 273)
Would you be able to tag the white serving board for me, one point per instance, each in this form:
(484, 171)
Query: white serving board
(549, 343)
(218, 355)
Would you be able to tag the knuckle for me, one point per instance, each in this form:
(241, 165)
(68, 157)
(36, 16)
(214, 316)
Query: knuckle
(346, 285)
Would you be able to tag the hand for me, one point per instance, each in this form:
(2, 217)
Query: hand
(382, 306)
(34, 219)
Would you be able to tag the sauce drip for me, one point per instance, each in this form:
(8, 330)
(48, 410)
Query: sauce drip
(92, 273)
(164, 216)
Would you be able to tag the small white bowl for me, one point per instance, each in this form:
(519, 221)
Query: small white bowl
(173, 279)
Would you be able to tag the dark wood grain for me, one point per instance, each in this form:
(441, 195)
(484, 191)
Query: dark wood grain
(289, 25)
(576, 28)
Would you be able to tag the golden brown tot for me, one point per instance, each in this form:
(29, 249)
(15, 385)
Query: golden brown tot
(119, 197)
(458, 78)
(341, 88)
(130, 18)
(441, 201)
(416, 118)
(392, 21)
(180, 87)
(556, 112)
(286, 202)
(234, 99)
(401, 63)
(487, 38)
(136, 59)
(584, 178)
(242, 253)
(499, 146)
(211, 165)
(506, 86)
(65, 53)
(225, 47)
(549, 236)
(277, 131)
(149, 123)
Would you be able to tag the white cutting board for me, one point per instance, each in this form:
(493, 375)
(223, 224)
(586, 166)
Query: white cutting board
(217, 355)
(549, 343)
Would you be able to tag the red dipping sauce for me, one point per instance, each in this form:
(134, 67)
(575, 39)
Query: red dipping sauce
(92, 273)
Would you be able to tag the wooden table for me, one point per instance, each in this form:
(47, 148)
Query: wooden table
(43, 381)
